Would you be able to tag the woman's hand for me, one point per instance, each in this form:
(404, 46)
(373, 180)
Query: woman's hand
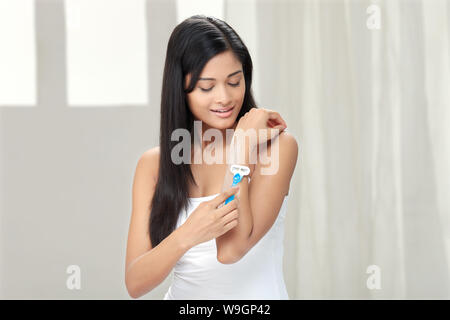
(207, 221)
(260, 120)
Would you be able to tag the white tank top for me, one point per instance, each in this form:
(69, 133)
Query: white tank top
(257, 276)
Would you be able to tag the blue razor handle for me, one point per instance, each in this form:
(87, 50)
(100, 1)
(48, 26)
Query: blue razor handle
(236, 179)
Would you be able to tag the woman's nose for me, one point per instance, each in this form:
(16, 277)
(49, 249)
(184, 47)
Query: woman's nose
(223, 96)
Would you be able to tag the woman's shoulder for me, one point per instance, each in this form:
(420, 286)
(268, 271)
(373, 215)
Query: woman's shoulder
(287, 138)
(280, 152)
(287, 147)
(284, 140)
(150, 159)
(152, 153)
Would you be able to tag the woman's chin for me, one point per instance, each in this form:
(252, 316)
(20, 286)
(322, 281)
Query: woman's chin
(223, 124)
(220, 124)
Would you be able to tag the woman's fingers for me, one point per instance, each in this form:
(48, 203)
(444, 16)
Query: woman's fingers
(230, 216)
(273, 132)
(272, 123)
(230, 225)
(230, 206)
(224, 196)
(275, 117)
(277, 124)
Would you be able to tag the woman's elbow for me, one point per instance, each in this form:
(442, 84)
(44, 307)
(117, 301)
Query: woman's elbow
(131, 288)
(132, 295)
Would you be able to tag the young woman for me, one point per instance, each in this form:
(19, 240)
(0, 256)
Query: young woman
(179, 220)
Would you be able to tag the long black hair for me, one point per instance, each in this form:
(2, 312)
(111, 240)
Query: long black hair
(192, 44)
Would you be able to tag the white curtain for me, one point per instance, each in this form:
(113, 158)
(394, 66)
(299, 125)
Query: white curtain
(371, 111)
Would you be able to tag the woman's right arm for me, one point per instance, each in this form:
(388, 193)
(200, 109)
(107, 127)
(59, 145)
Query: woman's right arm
(147, 267)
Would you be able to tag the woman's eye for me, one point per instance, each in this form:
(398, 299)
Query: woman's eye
(231, 84)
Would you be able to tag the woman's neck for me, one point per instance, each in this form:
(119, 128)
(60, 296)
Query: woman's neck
(211, 142)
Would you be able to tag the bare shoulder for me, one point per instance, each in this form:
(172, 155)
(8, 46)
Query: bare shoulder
(151, 154)
(288, 141)
(280, 158)
(290, 145)
(285, 144)
(149, 161)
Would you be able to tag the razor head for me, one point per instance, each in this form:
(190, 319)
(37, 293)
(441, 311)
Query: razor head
(242, 170)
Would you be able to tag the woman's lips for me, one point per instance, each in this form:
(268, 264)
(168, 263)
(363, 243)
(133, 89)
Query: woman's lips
(223, 114)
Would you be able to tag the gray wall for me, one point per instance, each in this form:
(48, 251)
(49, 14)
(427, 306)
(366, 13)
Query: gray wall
(67, 173)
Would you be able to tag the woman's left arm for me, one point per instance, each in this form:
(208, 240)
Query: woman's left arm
(259, 201)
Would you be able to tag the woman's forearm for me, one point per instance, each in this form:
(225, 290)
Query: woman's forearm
(150, 269)
(230, 245)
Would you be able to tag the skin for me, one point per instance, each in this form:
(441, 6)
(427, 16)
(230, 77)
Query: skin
(223, 94)
(213, 178)
(255, 208)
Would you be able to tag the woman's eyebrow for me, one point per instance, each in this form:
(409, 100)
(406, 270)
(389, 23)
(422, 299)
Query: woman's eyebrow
(230, 75)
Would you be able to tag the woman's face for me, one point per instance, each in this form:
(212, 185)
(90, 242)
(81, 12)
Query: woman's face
(221, 86)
